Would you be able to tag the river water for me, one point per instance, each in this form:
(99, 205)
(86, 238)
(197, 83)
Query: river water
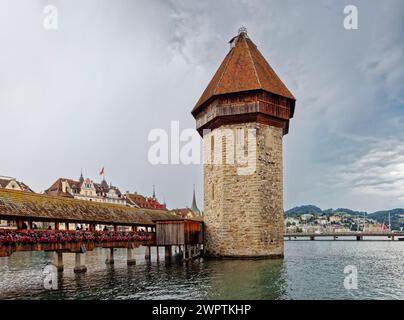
(310, 270)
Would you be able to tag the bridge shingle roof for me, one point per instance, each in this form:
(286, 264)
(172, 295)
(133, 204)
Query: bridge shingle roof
(17, 204)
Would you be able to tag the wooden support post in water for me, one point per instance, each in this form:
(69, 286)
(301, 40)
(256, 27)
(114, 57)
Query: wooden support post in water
(184, 252)
(110, 258)
(131, 261)
(79, 268)
(157, 253)
(311, 237)
(167, 253)
(190, 252)
(59, 261)
(147, 253)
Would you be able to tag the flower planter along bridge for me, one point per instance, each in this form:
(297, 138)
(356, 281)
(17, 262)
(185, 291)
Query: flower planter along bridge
(123, 227)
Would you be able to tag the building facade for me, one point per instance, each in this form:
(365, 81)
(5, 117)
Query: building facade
(12, 184)
(242, 117)
(86, 189)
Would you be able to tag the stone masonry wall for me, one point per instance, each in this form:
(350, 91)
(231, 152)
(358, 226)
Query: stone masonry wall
(243, 210)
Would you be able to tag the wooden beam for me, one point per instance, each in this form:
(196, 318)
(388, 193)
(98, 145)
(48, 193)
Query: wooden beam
(19, 223)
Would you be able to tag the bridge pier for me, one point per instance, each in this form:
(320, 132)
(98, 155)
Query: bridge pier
(59, 261)
(147, 253)
(131, 261)
(358, 238)
(79, 268)
(311, 237)
(157, 253)
(110, 257)
(167, 253)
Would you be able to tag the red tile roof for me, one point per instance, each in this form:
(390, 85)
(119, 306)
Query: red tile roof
(243, 69)
(144, 202)
(56, 188)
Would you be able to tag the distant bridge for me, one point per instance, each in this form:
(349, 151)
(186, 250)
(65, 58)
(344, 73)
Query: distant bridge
(357, 236)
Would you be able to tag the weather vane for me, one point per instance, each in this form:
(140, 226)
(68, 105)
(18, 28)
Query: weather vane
(242, 29)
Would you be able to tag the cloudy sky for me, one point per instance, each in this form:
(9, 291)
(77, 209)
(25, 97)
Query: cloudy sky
(87, 94)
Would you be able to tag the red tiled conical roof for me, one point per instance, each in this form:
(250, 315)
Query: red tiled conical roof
(243, 69)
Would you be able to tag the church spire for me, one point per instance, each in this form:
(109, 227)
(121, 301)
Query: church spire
(194, 206)
(154, 192)
(81, 179)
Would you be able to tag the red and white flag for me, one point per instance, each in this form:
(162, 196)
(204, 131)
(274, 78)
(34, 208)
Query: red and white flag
(102, 171)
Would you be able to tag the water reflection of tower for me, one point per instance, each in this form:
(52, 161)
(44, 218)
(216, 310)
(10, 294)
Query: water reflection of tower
(247, 279)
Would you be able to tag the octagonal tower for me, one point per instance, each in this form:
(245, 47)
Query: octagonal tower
(242, 116)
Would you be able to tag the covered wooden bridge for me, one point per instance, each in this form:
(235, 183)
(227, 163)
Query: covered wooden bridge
(70, 225)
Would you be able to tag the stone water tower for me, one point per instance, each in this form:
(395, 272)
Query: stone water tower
(242, 116)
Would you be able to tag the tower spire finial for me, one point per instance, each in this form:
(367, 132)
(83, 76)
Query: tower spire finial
(154, 192)
(242, 30)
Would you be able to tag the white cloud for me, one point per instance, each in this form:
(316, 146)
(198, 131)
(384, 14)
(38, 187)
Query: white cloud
(379, 172)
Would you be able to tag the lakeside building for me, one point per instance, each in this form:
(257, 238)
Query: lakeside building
(138, 201)
(11, 183)
(86, 189)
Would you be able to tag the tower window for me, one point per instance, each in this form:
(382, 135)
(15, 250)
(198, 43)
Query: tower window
(239, 135)
(212, 149)
(213, 191)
